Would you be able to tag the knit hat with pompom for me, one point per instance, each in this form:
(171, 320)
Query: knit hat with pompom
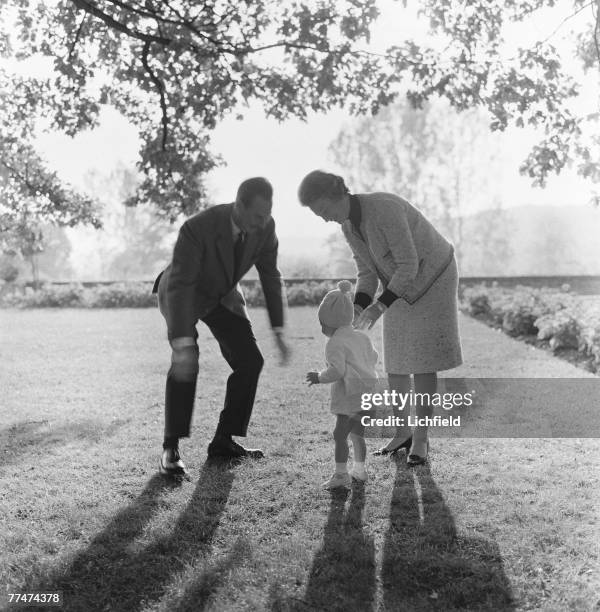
(337, 308)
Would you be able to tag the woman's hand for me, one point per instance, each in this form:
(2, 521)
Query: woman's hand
(368, 317)
(357, 310)
(312, 378)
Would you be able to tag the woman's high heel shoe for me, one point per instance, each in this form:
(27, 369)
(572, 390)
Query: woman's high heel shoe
(412, 460)
(385, 450)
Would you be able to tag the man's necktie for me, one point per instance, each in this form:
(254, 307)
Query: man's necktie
(238, 249)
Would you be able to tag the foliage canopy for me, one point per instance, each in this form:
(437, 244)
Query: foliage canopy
(175, 68)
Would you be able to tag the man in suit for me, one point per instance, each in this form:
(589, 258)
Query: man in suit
(214, 249)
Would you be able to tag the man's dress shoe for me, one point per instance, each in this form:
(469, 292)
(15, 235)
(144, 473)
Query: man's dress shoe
(171, 463)
(253, 453)
(228, 449)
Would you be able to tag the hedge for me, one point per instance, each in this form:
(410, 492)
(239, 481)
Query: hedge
(137, 295)
(559, 319)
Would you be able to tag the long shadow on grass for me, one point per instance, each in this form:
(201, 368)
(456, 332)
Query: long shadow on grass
(426, 565)
(342, 576)
(119, 573)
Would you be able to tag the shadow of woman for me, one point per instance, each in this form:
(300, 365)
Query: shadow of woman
(426, 565)
(342, 576)
(116, 573)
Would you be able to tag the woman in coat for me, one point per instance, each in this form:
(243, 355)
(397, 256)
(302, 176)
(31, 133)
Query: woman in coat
(395, 245)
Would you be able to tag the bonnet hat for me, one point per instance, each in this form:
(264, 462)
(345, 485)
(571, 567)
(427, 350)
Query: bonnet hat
(337, 308)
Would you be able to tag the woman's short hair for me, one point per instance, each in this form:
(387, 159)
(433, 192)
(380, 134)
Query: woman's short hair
(252, 187)
(318, 184)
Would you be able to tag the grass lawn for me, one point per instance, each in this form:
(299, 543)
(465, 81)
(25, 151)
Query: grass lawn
(494, 524)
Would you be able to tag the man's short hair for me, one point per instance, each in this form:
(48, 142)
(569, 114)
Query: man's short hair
(252, 187)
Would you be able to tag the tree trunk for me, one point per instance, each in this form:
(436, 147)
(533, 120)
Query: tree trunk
(35, 272)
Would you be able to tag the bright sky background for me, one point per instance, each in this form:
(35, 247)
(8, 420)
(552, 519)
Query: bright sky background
(286, 152)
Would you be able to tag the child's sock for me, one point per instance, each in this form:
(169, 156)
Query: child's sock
(341, 468)
(359, 447)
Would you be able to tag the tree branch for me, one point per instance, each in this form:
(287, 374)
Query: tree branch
(574, 14)
(355, 52)
(160, 20)
(161, 90)
(24, 178)
(92, 9)
(597, 28)
(209, 9)
(133, 9)
(192, 28)
(284, 43)
(77, 34)
(146, 13)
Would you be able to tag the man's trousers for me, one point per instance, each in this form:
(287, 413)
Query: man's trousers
(238, 346)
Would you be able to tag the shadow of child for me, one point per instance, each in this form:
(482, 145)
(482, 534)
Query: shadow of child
(342, 576)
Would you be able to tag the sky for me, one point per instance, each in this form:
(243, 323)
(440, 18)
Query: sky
(285, 152)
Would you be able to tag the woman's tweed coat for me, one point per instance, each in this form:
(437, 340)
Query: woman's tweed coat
(405, 252)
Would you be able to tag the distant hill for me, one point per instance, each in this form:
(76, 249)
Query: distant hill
(524, 240)
(536, 240)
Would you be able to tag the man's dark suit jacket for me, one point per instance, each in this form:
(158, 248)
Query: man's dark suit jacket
(201, 273)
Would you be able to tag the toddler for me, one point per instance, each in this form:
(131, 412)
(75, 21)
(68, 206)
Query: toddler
(351, 361)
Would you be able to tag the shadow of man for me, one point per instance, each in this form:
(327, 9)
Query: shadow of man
(342, 576)
(117, 573)
(426, 565)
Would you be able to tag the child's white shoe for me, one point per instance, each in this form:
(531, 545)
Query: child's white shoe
(338, 480)
(360, 475)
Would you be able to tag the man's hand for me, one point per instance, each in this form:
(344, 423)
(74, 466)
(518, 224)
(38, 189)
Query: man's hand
(312, 378)
(369, 316)
(284, 349)
(184, 363)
